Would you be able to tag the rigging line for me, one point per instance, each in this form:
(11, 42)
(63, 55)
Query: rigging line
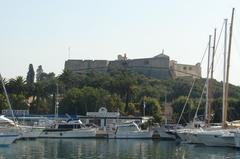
(8, 101)
(189, 94)
(205, 51)
(193, 83)
(200, 101)
(204, 86)
(220, 35)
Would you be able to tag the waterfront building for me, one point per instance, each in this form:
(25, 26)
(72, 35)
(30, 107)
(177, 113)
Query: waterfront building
(108, 120)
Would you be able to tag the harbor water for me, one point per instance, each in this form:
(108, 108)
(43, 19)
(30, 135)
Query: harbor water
(112, 149)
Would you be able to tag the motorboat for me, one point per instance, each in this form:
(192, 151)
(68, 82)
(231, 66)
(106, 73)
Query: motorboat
(68, 129)
(131, 131)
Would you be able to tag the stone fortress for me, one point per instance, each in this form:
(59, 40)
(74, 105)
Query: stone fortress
(159, 66)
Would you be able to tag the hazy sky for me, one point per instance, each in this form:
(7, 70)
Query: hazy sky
(40, 32)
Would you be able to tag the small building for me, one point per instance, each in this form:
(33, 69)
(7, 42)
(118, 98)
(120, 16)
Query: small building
(108, 120)
(185, 70)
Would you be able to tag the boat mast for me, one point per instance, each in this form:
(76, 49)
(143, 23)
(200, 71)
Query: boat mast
(57, 103)
(224, 70)
(228, 65)
(210, 92)
(207, 85)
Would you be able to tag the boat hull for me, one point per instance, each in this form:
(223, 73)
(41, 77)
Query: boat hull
(30, 132)
(7, 139)
(217, 138)
(75, 133)
(133, 135)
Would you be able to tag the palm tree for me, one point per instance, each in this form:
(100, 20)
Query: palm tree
(17, 86)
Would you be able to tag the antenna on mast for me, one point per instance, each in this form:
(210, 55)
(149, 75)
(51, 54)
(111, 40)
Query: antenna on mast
(69, 48)
(56, 102)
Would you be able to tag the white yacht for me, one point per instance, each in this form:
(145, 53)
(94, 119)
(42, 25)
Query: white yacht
(131, 131)
(225, 135)
(188, 133)
(71, 129)
(237, 138)
(219, 137)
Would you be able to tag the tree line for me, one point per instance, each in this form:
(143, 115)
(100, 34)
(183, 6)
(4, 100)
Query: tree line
(119, 90)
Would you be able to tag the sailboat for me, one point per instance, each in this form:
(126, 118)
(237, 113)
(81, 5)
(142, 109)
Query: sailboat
(189, 133)
(216, 136)
(22, 131)
(8, 129)
(223, 136)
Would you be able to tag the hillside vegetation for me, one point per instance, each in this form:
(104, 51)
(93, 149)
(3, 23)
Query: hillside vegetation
(122, 91)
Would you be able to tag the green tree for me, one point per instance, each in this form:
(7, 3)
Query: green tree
(18, 101)
(80, 101)
(178, 105)
(131, 109)
(30, 74)
(17, 86)
(69, 79)
(3, 102)
(124, 84)
(39, 72)
(114, 103)
(152, 106)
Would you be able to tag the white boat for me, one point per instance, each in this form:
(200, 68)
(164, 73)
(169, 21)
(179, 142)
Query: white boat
(9, 132)
(237, 138)
(72, 129)
(225, 135)
(131, 131)
(7, 138)
(30, 132)
(188, 133)
(219, 137)
(23, 131)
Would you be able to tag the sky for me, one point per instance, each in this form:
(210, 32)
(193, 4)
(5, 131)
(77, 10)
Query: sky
(40, 32)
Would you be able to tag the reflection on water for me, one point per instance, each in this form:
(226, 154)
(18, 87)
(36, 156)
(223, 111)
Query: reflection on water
(109, 149)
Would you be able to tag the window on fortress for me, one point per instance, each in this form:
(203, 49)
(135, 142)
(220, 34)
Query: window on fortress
(146, 62)
(184, 68)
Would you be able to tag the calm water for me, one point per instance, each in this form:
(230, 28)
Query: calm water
(112, 149)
